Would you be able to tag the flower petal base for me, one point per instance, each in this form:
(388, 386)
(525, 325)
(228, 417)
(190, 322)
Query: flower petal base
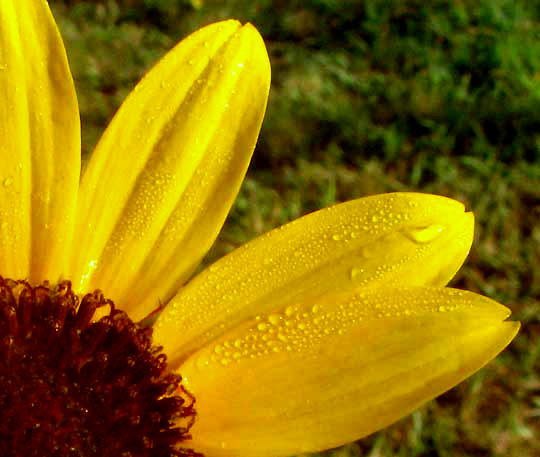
(72, 387)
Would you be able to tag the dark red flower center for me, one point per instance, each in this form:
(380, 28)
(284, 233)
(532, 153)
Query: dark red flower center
(73, 387)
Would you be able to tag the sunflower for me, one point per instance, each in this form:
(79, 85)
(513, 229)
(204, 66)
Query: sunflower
(313, 335)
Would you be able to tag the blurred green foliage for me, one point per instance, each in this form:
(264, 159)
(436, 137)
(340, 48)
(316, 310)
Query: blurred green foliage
(379, 78)
(367, 97)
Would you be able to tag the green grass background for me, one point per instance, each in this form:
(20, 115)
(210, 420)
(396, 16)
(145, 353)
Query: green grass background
(367, 97)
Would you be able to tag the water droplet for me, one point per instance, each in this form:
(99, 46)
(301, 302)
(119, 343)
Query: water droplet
(336, 237)
(7, 182)
(289, 311)
(274, 319)
(262, 326)
(201, 362)
(355, 272)
(425, 235)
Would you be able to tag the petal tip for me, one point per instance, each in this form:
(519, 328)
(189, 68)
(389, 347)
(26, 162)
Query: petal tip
(259, 53)
(512, 328)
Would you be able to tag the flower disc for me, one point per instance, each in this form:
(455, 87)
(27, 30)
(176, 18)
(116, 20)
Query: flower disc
(73, 387)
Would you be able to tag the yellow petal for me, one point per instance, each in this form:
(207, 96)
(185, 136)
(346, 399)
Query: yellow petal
(403, 238)
(322, 373)
(40, 147)
(165, 173)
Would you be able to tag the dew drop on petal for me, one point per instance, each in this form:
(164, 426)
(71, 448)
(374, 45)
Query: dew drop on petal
(423, 235)
(274, 319)
(354, 272)
(289, 311)
(202, 362)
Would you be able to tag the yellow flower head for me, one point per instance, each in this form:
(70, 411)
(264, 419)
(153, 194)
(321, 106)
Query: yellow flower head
(313, 335)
